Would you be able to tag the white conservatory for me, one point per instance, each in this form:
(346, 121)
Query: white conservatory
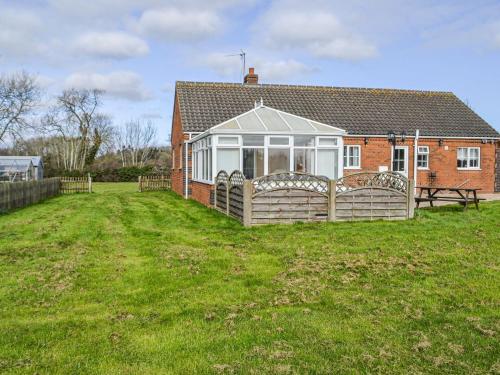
(263, 141)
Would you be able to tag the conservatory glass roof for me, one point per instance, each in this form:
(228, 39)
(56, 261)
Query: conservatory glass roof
(264, 119)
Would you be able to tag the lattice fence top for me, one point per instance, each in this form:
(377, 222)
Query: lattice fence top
(290, 180)
(236, 178)
(387, 180)
(221, 178)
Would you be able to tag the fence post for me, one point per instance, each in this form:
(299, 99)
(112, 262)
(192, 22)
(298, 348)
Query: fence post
(90, 183)
(140, 184)
(228, 189)
(247, 203)
(332, 193)
(411, 198)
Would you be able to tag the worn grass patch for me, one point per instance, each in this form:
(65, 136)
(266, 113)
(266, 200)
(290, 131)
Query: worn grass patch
(127, 282)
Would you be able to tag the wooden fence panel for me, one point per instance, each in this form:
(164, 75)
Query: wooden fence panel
(155, 183)
(76, 185)
(221, 193)
(15, 195)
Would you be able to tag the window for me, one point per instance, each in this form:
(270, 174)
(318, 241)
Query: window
(253, 162)
(324, 141)
(228, 159)
(278, 160)
(180, 156)
(423, 157)
(279, 141)
(468, 158)
(202, 160)
(224, 140)
(352, 157)
(303, 160)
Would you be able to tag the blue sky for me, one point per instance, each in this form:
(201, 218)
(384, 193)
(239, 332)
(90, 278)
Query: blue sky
(136, 50)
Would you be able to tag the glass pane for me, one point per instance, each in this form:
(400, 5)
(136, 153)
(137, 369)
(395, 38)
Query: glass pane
(253, 140)
(304, 160)
(228, 159)
(228, 140)
(462, 158)
(230, 125)
(210, 164)
(250, 121)
(327, 141)
(279, 141)
(253, 162)
(297, 123)
(279, 160)
(328, 163)
(303, 141)
(272, 119)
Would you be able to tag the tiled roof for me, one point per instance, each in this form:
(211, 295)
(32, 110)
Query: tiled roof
(358, 110)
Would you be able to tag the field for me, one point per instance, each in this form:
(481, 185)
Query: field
(121, 282)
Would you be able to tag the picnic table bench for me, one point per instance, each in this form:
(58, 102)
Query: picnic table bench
(462, 195)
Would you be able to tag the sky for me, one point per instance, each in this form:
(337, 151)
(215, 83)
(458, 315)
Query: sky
(137, 50)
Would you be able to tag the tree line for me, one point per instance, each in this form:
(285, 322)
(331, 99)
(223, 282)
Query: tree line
(72, 133)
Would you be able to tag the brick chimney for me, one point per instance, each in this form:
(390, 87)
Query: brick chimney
(251, 78)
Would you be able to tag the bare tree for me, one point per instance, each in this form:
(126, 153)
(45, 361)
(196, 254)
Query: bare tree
(80, 129)
(135, 143)
(19, 95)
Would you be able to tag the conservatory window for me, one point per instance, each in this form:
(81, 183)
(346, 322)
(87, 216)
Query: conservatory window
(278, 160)
(225, 140)
(253, 140)
(303, 160)
(327, 141)
(228, 159)
(253, 162)
(279, 141)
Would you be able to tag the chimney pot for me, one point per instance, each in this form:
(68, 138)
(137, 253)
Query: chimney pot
(251, 78)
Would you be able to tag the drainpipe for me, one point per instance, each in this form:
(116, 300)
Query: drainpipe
(415, 156)
(186, 167)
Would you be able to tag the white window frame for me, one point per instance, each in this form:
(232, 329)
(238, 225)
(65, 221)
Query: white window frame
(346, 156)
(212, 142)
(468, 159)
(426, 152)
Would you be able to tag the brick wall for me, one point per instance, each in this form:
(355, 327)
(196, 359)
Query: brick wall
(203, 193)
(177, 144)
(442, 161)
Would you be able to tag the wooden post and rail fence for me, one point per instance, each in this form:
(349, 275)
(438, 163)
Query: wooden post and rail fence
(292, 197)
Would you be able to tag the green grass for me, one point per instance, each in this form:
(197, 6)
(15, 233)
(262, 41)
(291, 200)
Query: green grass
(120, 282)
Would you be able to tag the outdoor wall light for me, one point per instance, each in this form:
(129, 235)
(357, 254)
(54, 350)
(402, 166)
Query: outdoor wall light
(366, 140)
(391, 137)
(440, 142)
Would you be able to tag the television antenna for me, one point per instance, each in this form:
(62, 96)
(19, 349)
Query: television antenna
(243, 58)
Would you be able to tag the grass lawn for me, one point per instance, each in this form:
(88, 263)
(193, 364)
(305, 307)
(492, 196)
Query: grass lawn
(120, 282)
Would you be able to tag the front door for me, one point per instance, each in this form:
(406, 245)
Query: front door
(400, 159)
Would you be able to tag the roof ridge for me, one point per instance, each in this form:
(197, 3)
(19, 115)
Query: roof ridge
(311, 87)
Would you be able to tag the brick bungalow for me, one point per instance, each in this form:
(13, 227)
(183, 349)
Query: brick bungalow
(432, 137)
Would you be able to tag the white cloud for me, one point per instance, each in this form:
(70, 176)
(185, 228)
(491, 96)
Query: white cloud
(281, 71)
(120, 84)
(114, 45)
(269, 70)
(173, 24)
(313, 30)
(19, 33)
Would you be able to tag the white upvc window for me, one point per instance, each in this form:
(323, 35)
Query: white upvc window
(468, 158)
(202, 160)
(423, 157)
(352, 157)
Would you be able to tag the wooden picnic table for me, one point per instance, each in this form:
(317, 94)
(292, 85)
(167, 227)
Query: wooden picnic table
(462, 195)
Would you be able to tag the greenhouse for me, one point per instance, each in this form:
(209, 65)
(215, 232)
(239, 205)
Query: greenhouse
(263, 141)
(14, 169)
